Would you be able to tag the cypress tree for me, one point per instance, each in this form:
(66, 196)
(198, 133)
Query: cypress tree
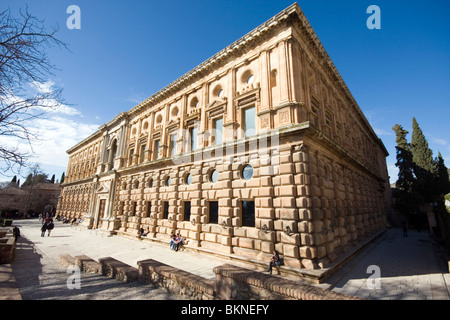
(13, 182)
(28, 180)
(422, 154)
(424, 168)
(406, 199)
(443, 188)
(63, 176)
(442, 177)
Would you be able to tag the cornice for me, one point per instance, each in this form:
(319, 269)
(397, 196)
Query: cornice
(292, 12)
(93, 136)
(220, 56)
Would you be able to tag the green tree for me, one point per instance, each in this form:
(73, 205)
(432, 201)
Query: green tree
(443, 188)
(442, 176)
(52, 180)
(63, 176)
(36, 176)
(406, 199)
(424, 165)
(28, 180)
(422, 154)
(13, 182)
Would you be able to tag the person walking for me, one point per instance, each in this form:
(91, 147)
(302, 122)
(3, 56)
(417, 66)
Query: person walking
(405, 229)
(16, 233)
(50, 226)
(43, 229)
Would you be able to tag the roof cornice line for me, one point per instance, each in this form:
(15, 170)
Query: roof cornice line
(224, 53)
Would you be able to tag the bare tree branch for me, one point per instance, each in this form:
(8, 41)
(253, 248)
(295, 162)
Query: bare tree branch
(24, 63)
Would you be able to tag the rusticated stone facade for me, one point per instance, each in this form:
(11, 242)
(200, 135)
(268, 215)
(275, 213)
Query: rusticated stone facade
(261, 147)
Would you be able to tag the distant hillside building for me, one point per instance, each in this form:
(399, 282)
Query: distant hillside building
(260, 147)
(38, 198)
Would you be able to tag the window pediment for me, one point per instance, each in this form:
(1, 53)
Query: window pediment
(216, 108)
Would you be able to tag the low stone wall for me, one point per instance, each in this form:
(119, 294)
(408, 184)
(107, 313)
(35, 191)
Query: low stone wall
(179, 282)
(236, 283)
(66, 260)
(88, 265)
(7, 246)
(231, 283)
(118, 270)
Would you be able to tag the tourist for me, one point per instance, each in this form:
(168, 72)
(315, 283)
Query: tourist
(405, 229)
(43, 229)
(143, 233)
(172, 241)
(275, 262)
(50, 226)
(178, 241)
(16, 232)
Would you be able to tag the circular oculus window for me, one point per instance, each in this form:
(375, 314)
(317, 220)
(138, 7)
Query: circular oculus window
(188, 179)
(247, 172)
(214, 176)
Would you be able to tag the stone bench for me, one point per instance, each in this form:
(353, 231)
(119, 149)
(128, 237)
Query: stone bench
(7, 222)
(177, 281)
(236, 283)
(88, 265)
(118, 270)
(7, 249)
(66, 260)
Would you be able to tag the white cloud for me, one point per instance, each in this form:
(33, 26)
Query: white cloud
(46, 87)
(58, 129)
(381, 132)
(439, 141)
(57, 135)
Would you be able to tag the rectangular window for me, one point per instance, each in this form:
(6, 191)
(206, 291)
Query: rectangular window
(156, 150)
(173, 145)
(133, 208)
(213, 212)
(187, 211)
(193, 138)
(315, 112)
(248, 213)
(166, 210)
(149, 209)
(249, 121)
(217, 132)
(142, 155)
(130, 158)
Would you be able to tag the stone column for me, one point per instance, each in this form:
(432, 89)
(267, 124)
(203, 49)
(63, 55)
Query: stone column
(265, 80)
(195, 195)
(309, 225)
(284, 72)
(286, 210)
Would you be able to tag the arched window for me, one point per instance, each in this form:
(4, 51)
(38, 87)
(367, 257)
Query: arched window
(113, 154)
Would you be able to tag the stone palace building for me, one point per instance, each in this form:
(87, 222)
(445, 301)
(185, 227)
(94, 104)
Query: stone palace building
(260, 147)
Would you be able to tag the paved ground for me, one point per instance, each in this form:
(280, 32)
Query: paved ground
(409, 267)
(39, 276)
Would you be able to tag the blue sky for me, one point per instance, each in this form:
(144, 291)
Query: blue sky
(126, 51)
